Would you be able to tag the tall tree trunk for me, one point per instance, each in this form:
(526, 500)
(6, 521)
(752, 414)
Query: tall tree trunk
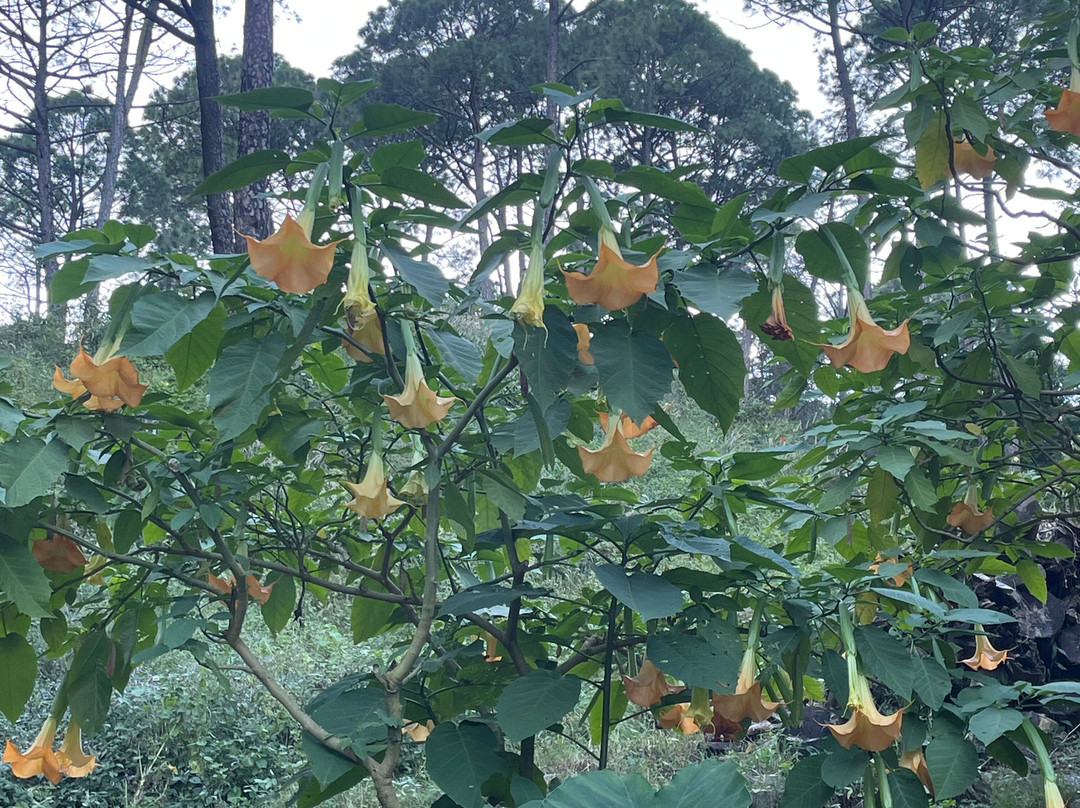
(43, 161)
(210, 119)
(126, 88)
(843, 75)
(552, 71)
(251, 212)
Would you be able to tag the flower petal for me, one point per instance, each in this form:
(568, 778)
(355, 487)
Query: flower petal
(290, 259)
(614, 282)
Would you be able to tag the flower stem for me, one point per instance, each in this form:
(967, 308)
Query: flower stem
(852, 282)
(1046, 768)
(597, 203)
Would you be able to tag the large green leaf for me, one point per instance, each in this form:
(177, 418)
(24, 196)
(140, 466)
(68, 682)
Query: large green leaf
(67, 282)
(634, 368)
(804, 787)
(270, 98)
(327, 766)
(907, 790)
(821, 258)
(616, 114)
(547, 361)
(278, 609)
(311, 793)
(654, 181)
(650, 596)
(932, 153)
(423, 276)
(525, 132)
(369, 616)
(160, 320)
(800, 168)
(602, 789)
(801, 311)
(248, 169)
(110, 267)
(990, 724)
(484, 596)
(355, 716)
(22, 580)
(842, 767)
(711, 365)
(930, 681)
(194, 353)
(887, 658)
(717, 291)
(90, 693)
(387, 119)
(460, 354)
(29, 468)
(461, 758)
(696, 660)
(953, 764)
(704, 785)
(534, 702)
(420, 186)
(18, 661)
(238, 386)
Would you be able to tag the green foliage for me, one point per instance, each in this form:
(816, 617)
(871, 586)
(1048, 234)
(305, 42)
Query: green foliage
(505, 581)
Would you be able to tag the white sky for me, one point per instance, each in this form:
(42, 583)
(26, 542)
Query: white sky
(315, 32)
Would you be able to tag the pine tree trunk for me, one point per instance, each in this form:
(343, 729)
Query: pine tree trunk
(251, 212)
(210, 119)
(43, 164)
(843, 75)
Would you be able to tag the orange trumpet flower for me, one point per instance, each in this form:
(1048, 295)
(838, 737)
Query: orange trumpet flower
(1066, 116)
(746, 701)
(630, 429)
(615, 461)
(58, 553)
(967, 516)
(776, 326)
(986, 656)
(649, 686)
(867, 728)
(915, 760)
(969, 161)
(39, 758)
(583, 340)
(869, 347)
(74, 762)
(417, 406)
(371, 497)
(289, 258)
(614, 282)
(112, 381)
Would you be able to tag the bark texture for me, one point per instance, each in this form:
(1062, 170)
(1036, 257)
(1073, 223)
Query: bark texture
(251, 211)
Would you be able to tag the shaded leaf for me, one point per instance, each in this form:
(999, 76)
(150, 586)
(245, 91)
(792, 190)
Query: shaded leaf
(649, 595)
(634, 368)
(29, 468)
(711, 365)
(534, 702)
(461, 758)
(953, 764)
(18, 661)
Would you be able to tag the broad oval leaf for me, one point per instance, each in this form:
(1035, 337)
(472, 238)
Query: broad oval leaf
(534, 702)
(18, 661)
(953, 764)
(711, 365)
(650, 596)
(461, 758)
(634, 368)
